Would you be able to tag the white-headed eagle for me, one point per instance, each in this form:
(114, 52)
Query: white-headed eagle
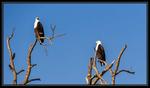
(100, 53)
(38, 29)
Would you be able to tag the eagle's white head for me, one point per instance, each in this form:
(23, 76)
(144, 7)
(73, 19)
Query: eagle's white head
(37, 19)
(97, 44)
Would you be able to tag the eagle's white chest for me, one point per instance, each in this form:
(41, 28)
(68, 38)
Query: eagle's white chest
(96, 48)
(35, 23)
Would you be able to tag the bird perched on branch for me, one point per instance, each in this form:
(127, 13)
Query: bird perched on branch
(100, 52)
(39, 31)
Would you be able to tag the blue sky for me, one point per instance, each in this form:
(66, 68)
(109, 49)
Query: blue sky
(68, 56)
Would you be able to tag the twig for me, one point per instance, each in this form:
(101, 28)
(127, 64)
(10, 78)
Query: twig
(33, 65)
(12, 56)
(29, 62)
(53, 30)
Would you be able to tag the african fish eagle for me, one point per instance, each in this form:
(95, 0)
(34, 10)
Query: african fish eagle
(100, 53)
(38, 30)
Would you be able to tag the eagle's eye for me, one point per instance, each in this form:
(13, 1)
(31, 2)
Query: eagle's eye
(37, 18)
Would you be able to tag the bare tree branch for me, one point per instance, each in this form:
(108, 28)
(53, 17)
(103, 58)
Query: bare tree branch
(88, 78)
(12, 56)
(35, 79)
(127, 71)
(103, 72)
(119, 57)
(34, 65)
(26, 79)
(20, 71)
(52, 37)
(53, 30)
(95, 68)
(96, 71)
(117, 65)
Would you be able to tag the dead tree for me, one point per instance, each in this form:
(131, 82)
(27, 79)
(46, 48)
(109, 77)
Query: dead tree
(98, 76)
(30, 65)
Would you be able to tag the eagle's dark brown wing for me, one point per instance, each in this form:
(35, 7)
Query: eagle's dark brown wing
(39, 32)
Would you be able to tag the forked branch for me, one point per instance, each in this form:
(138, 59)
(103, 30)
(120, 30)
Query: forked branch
(117, 65)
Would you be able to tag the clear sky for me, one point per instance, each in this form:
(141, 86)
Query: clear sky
(68, 56)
